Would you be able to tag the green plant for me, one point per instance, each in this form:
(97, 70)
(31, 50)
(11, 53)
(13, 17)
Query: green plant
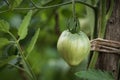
(22, 33)
(20, 52)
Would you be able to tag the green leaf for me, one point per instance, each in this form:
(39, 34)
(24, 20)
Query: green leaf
(3, 42)
(15, 3)
(33, 41)
(4, 62)
(93, 74)
(4, 26)
(23, 29)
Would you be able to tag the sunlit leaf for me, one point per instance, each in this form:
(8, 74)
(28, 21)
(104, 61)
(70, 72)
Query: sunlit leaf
(95, 75)
(4, 26)
(23, 29)
(15, 3)
(33, 41)
(4, 62)
(3, 42)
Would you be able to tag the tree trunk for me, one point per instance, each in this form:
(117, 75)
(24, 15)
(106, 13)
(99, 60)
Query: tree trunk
(108, 61)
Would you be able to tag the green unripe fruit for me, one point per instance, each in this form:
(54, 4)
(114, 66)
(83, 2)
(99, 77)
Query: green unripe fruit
(73, 47)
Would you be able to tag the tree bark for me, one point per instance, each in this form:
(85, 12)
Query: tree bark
(106, 61)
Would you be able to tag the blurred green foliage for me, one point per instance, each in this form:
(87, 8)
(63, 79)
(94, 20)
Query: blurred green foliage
(44, 58)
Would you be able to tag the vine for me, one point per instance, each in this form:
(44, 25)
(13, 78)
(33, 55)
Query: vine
(103, 18)
(52, 6)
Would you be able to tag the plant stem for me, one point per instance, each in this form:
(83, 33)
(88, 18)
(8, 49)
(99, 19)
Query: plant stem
(26, 62)
(110, 9)
(94, 35)
(18, 67)
(32, 75)
(102, 28)
(12, 35)
(65, 3)
(52, 6)
(73, 8)
(102, 20)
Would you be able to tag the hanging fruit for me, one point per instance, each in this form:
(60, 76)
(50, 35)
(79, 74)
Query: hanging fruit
(73, 47)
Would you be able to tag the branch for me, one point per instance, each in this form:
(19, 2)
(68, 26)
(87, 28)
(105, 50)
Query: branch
(52, 6)
(57, 5)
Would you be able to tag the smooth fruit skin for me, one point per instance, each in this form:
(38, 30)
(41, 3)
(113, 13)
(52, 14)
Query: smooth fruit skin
(73, 47)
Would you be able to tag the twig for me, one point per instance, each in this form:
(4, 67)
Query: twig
(107, 42)
(52, 6)
(65, 3)
(103, 45)
(17, 67)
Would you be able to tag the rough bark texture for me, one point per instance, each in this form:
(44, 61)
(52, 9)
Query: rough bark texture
(107, 61)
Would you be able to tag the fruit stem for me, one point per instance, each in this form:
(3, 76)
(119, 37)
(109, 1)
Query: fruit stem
(74, 11)
(73, 24)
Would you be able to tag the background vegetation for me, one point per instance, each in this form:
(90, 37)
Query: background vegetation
(40, 46)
